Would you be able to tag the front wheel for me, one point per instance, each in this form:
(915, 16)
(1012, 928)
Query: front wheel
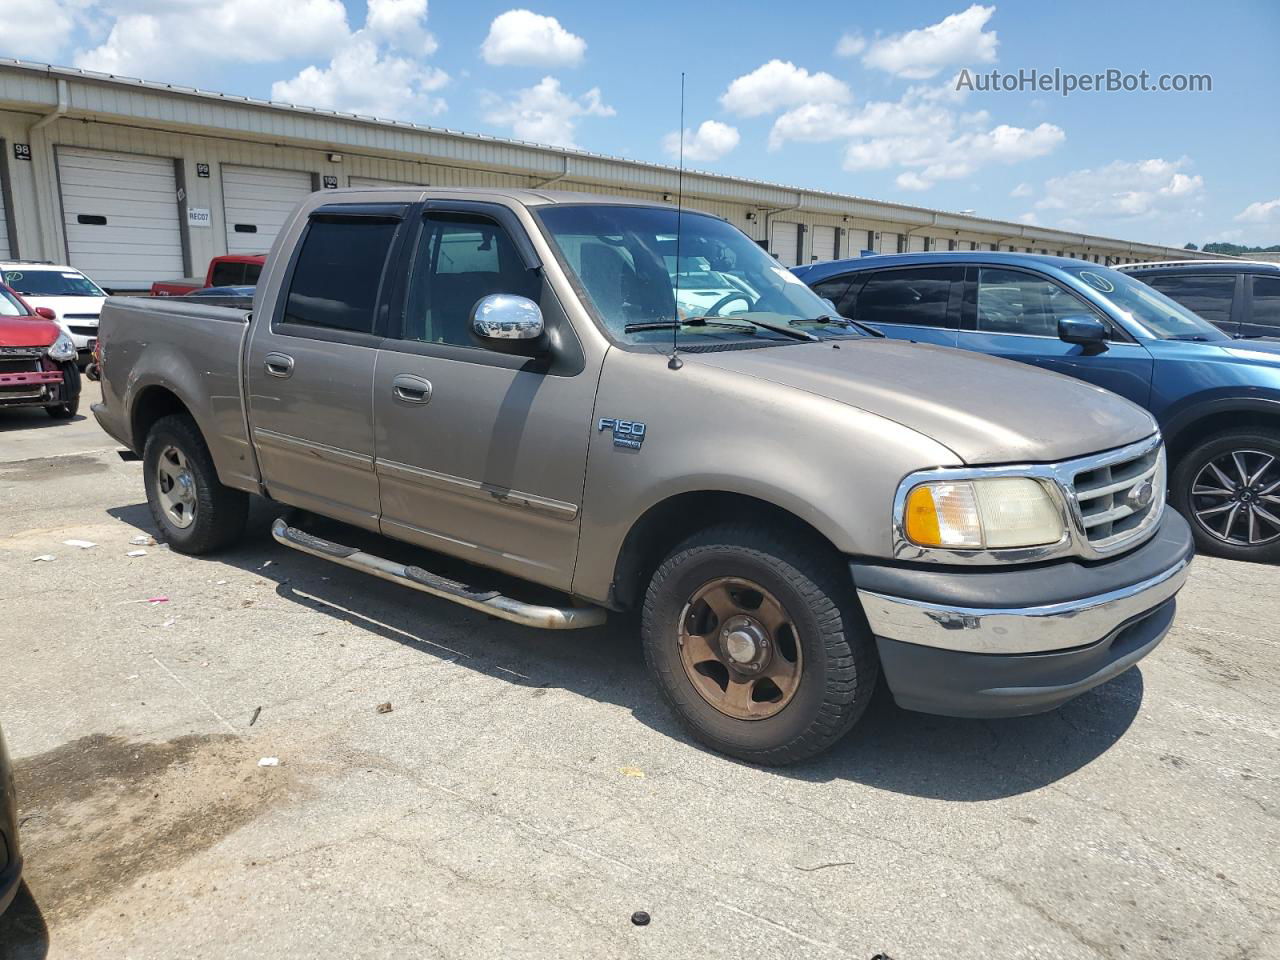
(756, 642)
(193, 510)
(1228, 488)
(70, 404)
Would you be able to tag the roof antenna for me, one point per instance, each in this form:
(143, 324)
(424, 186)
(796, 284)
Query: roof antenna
(675, 363)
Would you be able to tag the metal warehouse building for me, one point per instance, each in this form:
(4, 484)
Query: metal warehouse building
(133, 181)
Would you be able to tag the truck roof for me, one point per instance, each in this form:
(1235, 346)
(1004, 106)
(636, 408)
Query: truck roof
(528, 196)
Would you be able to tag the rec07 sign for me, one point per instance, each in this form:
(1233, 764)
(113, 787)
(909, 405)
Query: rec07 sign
(198, 217)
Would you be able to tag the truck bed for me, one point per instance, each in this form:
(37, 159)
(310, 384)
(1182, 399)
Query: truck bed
(157, 348)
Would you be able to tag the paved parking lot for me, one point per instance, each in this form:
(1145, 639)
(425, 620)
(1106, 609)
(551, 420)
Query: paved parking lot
(527, 792)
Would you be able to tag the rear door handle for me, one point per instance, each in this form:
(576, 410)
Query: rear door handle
(411, 389)
(278, 365)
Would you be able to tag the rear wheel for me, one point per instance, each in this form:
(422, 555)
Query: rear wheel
(194, 511)
(756, 641)
(1228, 488)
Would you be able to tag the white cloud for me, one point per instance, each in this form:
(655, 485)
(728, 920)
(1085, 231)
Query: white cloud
(711, 141)
(36, 29)
(362, 79)
(522, 38)
(779, 84)
(910, 180)
(918, 54)
(1022, 190)
(1029, 218)
(402, 24)
(544, 113)
(1260, 212)
(850, 44)
(1149, 189)
(172, 38)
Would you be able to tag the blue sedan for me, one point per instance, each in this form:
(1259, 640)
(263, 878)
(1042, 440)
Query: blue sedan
(1217, 400)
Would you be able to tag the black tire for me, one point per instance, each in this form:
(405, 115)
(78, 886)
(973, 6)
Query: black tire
(838, 667)
(219, 513)
(1259, 442)
(71, 391)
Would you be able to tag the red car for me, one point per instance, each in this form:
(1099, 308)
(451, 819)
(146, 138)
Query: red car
(228, 270)
(37, 360)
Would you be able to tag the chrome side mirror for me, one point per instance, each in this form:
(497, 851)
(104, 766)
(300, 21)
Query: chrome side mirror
(505, 316)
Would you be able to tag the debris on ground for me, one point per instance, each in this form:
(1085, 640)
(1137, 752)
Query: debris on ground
(81, 544)
(157, 599)
(633, 772)
(136, 553)
(265, 565)
(640, 918)
(269, 762)
(43, 558)
(254, 718)
(383, 708)
(143, 540)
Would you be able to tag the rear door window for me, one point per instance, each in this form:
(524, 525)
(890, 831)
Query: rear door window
(919, 296)
(338, 274)
(836, 289)
(1207, 295)
(1266, 302)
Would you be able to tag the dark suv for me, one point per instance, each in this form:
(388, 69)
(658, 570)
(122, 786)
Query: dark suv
(1240, 297)
(1217, 400)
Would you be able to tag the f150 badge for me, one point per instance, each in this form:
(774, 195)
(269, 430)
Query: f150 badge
(626, 433)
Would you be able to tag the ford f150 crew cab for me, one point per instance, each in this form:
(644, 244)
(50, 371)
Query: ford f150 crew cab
(791, 504)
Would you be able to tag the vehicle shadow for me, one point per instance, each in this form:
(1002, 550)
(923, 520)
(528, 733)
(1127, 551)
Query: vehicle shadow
(31, 418)
(890, 749)
(24, 935)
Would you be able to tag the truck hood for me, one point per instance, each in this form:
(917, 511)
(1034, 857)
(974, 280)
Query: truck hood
(27, 332)
(984, 409)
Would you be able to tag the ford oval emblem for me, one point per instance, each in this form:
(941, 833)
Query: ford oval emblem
(1141, 495)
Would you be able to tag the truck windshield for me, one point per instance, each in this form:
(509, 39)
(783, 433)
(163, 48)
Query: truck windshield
(1163, 318)
(723, 287)
(52, 283)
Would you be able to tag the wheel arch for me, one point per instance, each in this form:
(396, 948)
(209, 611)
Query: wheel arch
(151, 404)
(1205, 417)
(671, 520)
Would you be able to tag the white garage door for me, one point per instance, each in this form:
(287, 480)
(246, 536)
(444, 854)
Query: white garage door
(784, 242)
(824, 243)
(120, 211)
(256, 203)
(4, 230)
(888, 242)
(915, 243)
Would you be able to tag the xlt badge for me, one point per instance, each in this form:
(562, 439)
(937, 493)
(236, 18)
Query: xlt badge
(626, 433)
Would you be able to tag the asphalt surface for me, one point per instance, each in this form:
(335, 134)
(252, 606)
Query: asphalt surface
(527, 792)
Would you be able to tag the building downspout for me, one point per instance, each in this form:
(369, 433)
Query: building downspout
(556, 179)
(45, 217)
(768, 237)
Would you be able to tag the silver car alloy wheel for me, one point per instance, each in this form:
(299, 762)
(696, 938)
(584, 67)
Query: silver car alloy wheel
(1236, 498)
(176, 487)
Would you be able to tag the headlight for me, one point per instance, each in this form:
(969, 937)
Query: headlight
(995, 513)
(63, 349)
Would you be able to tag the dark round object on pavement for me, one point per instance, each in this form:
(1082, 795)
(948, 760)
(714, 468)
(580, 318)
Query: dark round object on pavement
(640, 918)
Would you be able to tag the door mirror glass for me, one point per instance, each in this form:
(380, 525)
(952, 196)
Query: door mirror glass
(1082, 329)
(505, 316)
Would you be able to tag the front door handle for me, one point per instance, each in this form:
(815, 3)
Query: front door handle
(411, 389)
(278, 365)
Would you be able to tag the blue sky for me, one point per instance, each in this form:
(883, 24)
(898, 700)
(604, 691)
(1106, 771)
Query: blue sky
(852, 97)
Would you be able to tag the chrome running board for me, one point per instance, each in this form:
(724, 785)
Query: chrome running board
(487, 601)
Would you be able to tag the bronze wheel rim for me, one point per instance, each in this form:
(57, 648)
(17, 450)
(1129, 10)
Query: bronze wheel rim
(740, 648)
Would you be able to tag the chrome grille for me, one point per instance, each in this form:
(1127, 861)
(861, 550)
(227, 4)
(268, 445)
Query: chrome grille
(1118, 500)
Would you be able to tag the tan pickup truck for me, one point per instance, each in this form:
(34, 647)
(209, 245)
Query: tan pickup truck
(640, 409)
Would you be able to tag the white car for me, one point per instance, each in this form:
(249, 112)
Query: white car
(73, 297)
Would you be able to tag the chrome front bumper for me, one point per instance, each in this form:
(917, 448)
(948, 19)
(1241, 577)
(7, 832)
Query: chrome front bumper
(1009, 642)
(1037, 629)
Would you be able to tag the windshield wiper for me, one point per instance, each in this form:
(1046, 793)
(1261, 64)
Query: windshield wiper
(702, 322)
(845, 322)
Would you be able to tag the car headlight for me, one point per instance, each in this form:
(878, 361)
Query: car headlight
(62, 349)
(993, 513)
